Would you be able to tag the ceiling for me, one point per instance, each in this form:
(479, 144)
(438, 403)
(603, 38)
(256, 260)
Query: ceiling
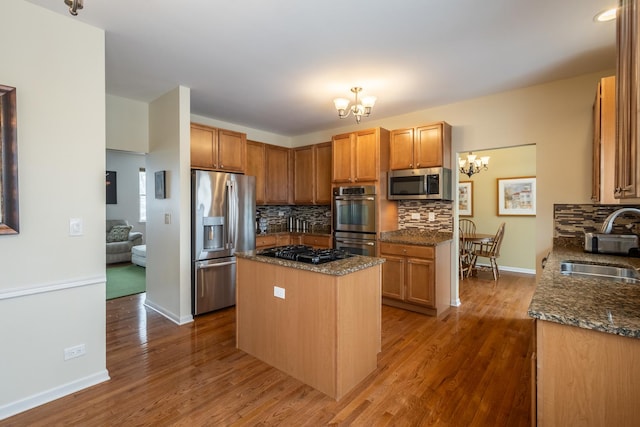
(277, 65)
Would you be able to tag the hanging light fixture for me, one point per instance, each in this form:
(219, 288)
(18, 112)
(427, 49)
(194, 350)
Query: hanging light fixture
(74, 5)
(472, 165)
(358, 109)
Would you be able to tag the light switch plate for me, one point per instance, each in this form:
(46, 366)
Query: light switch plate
(75, 227)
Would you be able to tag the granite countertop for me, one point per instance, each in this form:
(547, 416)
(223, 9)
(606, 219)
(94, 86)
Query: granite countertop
(587, 302)
(410, 236)
(339, 267)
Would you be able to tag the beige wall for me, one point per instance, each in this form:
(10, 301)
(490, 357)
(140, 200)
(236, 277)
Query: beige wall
(515, 254)
(52, 285)
(127, 124)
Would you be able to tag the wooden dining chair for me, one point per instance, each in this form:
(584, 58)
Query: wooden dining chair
(465, 257)
(490, 250)
(467, 227)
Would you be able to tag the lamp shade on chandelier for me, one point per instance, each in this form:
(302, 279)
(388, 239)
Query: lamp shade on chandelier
(473, 165)
(359, 108)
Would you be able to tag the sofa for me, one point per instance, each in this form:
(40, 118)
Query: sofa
(120, 239)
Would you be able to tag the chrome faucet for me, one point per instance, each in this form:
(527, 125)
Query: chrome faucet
(607, 225)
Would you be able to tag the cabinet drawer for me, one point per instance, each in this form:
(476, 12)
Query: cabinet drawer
(407, 250)
(316, 240)
(265, 241)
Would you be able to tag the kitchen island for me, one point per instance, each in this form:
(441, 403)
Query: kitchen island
(321, 324)
(587, 346)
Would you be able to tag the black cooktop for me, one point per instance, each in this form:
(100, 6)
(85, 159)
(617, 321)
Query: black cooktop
(306, 254)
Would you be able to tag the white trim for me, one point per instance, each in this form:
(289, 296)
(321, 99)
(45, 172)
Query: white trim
(455, 302)
(50, 287)
(171, 316)
(38, 399)
(512, 269)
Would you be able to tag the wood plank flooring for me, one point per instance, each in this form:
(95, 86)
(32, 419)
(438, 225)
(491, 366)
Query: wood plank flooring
(470, 367)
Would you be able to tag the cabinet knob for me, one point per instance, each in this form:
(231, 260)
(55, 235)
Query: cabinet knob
(410, 165)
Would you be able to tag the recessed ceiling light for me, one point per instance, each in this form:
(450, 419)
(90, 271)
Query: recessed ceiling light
(606, 15)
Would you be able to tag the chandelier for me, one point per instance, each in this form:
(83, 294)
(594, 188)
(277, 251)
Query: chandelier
(472, 165)
(358, 109)
(74, 5)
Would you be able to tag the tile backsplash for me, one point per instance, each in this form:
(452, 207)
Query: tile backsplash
(318, 217)
(442, 210)
(575, 220)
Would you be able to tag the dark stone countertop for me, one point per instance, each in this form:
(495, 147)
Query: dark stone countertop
(409, 236)
(339, 267)
(587, 302)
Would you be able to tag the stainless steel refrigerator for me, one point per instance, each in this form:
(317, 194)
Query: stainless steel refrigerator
(223, 223)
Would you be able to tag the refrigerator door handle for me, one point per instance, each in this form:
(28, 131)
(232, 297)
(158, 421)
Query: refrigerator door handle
(232, 213)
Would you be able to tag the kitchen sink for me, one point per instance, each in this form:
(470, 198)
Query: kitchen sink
(621, 273)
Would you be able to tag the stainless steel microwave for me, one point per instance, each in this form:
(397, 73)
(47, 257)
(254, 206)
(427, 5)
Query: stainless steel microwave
(420, 184)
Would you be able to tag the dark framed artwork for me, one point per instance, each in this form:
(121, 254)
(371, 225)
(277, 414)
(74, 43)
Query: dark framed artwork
(112, 188)
(9, 218)
(161, 192)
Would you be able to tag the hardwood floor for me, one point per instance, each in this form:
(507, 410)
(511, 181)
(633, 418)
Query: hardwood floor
(470, 367)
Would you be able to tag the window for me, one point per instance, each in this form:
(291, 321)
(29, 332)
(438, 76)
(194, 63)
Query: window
(142, 192)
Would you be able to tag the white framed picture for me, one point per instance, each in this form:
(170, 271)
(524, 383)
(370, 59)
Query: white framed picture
(517, 196)
(465, 198)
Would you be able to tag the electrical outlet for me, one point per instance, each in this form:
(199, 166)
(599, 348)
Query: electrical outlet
(280, 213)
(278, 292)
(75, 227)
(432, 216)
(75, 351)
(415, 216)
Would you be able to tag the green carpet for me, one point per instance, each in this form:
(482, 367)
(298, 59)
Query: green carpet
(125, 280)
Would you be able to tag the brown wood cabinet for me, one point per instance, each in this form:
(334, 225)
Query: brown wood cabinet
(312, 174)
(255, 167)
(604, 180)
(317, 241)
(411, 280)
(422, 147)
(356, 156)
(324, 330)
(270, 165)
(218, 149)
(585, 377)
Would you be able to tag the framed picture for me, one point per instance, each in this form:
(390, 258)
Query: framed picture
(465, 198)
(160, 187)
(112, 188)
(9, 217)
(517, 196)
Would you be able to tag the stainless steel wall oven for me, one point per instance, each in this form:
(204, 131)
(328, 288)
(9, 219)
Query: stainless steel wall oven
(354, 219)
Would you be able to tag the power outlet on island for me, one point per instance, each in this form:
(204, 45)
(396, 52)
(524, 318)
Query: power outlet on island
(278, 292)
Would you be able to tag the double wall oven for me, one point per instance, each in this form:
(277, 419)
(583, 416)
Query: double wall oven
(354, 219)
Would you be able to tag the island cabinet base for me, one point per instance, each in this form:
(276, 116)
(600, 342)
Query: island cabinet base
(325, 332)
(585, 377)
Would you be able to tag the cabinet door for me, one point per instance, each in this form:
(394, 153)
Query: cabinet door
(323, 174)
(277, 175)
(303, 182)
(231, 151)
(366, 161)
(401, 149)
(428, 146)
(204, 141)
(393, 277)
(341, 158)
(256, 167)
(421, 282)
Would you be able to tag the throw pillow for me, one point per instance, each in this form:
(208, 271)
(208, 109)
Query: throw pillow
(119, 233)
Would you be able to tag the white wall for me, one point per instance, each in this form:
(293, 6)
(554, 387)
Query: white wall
(126, 165)
(127, 124)
(52, 286)
(169, 245)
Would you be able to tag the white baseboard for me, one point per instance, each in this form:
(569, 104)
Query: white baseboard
(511, 269)
(179, 320)
(31, 402)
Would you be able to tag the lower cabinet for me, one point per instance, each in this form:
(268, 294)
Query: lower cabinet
(585, 377)
(416, 277)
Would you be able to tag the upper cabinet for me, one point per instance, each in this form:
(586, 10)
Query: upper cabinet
(277, 174)
(357, 156)
(422, 147)
(604, 143)
(255, 167)
(312, 174)
(218, 149)
(627, 175)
